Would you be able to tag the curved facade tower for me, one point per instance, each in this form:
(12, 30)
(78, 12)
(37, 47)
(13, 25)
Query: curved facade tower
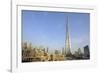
(67, 41)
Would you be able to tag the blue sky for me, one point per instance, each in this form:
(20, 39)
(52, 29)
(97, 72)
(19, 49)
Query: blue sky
(43, 28)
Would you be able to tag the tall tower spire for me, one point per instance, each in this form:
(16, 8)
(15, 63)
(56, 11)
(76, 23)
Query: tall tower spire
(67, 41)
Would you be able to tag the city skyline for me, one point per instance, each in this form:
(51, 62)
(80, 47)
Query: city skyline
(45, 28)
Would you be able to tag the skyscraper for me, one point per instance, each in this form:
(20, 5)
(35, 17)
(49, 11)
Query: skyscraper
(86, 52)
(67, 41)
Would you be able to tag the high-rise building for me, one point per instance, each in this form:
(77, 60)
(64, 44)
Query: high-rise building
(67, 41)
(86, 52)
(24, 45)
(47, 49)
(62, 51)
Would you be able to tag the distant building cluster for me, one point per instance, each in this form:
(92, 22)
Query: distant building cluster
(30, 54)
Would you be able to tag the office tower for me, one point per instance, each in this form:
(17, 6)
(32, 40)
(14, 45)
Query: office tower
(62, 51)
(86, 52)
(47, 49)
